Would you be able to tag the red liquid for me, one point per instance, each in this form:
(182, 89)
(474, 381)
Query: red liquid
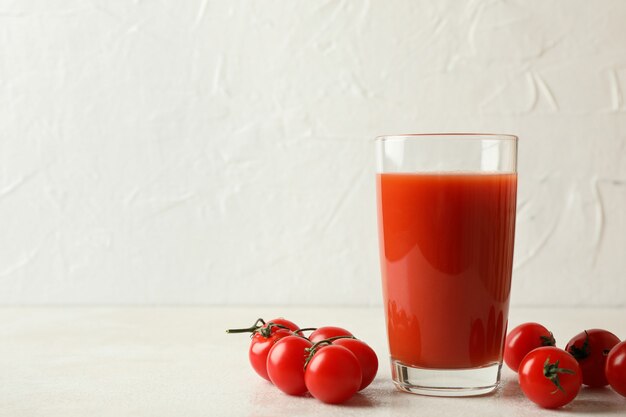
(446, 257)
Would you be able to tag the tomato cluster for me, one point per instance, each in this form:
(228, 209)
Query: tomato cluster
(552, 377)
(330, 363)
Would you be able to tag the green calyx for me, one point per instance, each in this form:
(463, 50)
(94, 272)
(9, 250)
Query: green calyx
(580, 352)
(548, 340)
(313, 349)
(259, 326)
(552, 372)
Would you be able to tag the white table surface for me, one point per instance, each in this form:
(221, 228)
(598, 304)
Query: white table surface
(169, 361)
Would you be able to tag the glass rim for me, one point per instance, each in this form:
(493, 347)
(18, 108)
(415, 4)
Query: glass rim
(459, 135)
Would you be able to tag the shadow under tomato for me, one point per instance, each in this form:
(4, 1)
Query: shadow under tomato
(601, 400)
(360, 400)
(595, 406)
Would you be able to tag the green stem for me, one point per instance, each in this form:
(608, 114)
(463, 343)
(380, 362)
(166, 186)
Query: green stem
(552, 371)
(548, 340)
(256, 326)
(583, 351)
(266, 331)
(306, 329)
(313, 349)
(330, 340)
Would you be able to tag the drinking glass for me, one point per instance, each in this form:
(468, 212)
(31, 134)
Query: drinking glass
(446, 217)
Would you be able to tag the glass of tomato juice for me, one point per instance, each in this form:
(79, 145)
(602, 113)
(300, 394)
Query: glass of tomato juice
(446, 217)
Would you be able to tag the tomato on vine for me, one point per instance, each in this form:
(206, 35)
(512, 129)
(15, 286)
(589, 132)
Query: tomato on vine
(285, 364)
(333, 365)
(327, 332)
(365, 355)
(333, 373)
(264, 336)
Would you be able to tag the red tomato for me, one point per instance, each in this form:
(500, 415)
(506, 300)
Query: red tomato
(260, 348)
(264, 338)
(278, 324)
(616, 368)
(365, 355)
(264, 335)
(590, 348)
(550, 377)
(327, 332)
(333, 375)
(285, 364)
(523, 339)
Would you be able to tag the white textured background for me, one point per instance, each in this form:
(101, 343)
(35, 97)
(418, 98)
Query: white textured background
(221, 152)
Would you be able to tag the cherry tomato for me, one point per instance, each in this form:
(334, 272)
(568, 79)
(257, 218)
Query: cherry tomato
(282, 322)
(260, 348)
(550, 377)
(264, 335)
(285, 364)
(333, 375)
(590, 348)
(365, 355)
(264, 338)
(616, 368)
(522, 339)
(327, 332)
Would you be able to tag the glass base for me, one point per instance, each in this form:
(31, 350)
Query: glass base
(446, 382)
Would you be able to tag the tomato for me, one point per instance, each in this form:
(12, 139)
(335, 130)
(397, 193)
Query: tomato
(590, 348)
(523, 339)
(550, 377)
(333, 374)
(615, 369)
(327, 332)
(264, 336)
(290, 325)
(260, 348)
(285, 364)
(365, 355)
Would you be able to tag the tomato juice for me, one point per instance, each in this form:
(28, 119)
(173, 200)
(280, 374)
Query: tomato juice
(446, 247)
